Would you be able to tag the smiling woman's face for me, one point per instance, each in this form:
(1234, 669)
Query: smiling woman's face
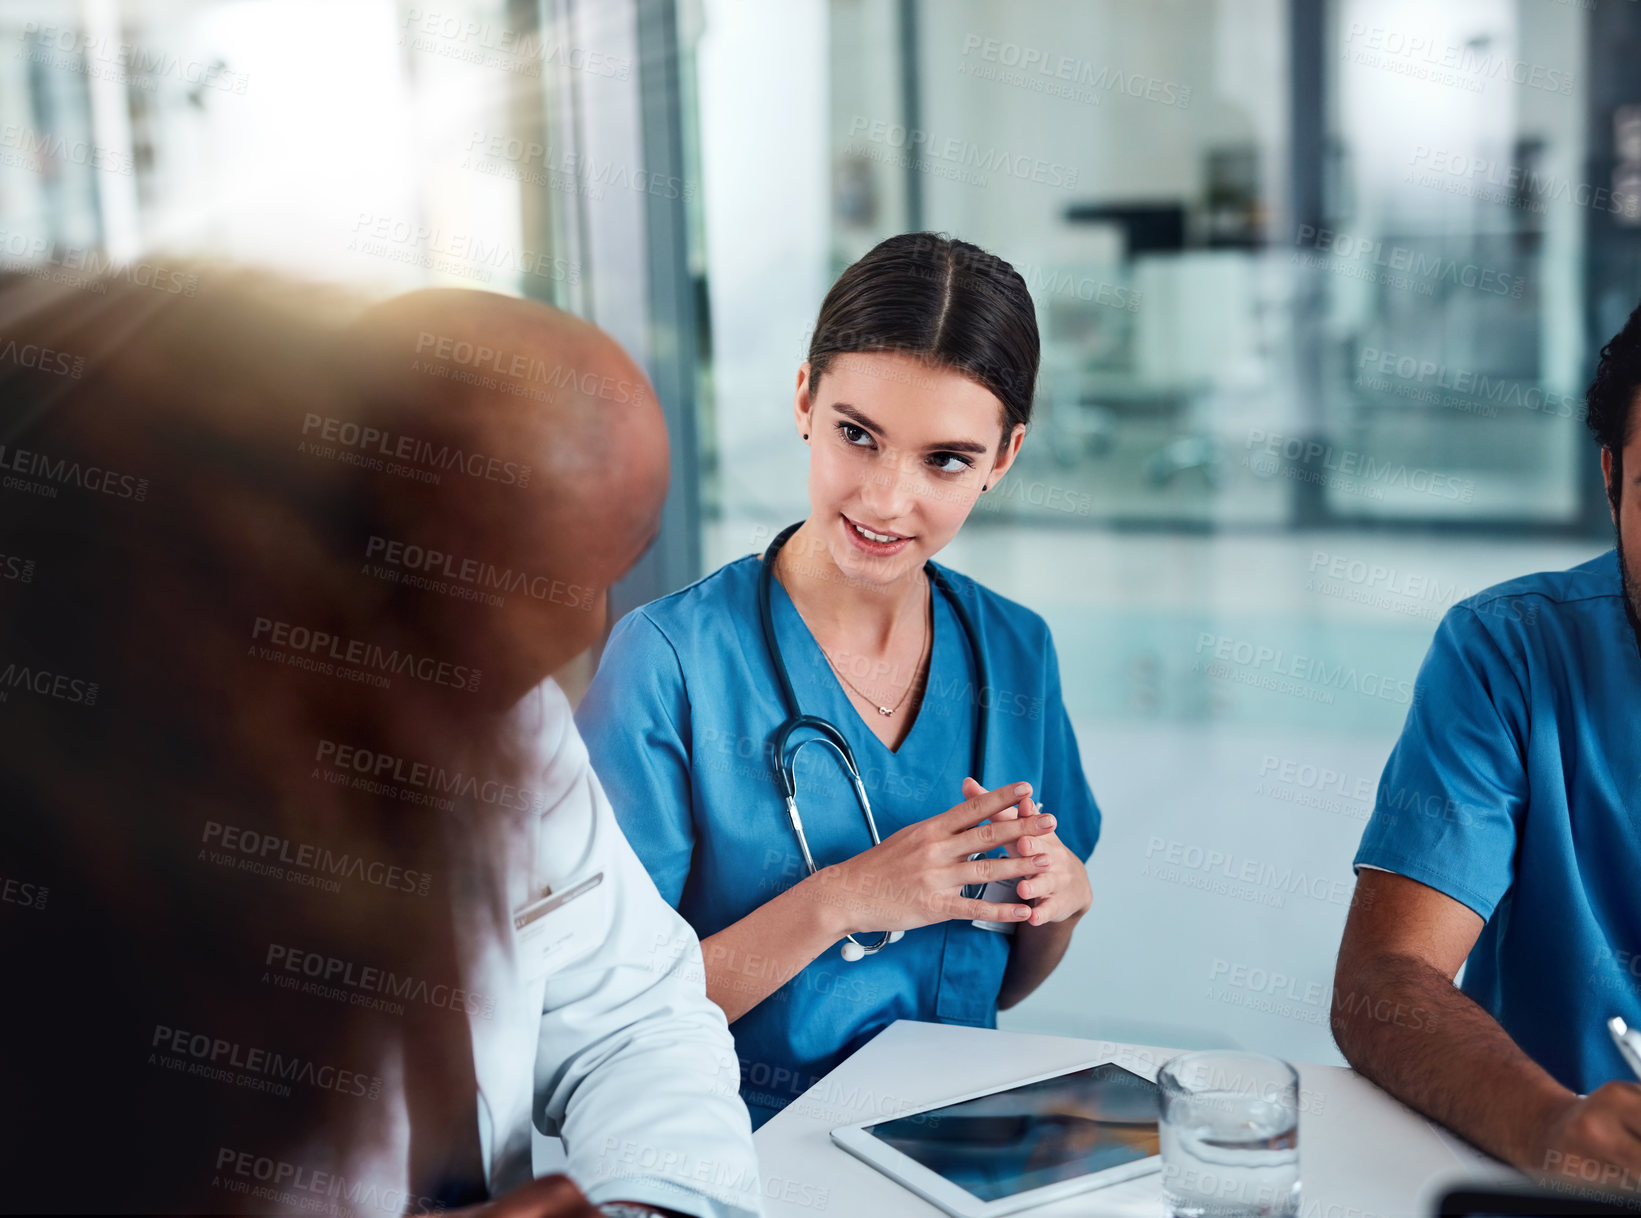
(899, 449)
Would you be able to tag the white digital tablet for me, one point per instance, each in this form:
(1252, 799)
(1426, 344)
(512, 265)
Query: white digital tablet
(1002, 1150)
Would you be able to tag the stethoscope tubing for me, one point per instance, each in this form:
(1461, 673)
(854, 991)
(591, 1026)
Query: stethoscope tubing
(784, 753)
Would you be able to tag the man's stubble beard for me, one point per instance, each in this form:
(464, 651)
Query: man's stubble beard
(1632, 590)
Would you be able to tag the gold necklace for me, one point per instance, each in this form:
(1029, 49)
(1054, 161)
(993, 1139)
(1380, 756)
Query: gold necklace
(885, 711)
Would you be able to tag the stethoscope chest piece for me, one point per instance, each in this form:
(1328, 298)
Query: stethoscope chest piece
(853, 950)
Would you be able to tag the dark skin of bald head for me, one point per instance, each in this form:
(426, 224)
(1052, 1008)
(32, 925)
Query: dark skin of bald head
(537, 387)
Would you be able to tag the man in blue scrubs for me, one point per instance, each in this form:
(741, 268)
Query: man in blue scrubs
(1507, 833)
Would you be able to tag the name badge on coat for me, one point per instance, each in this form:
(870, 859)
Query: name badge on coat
(560, 927)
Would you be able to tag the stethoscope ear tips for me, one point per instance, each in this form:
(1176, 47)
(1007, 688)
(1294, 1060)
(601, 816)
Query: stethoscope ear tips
(895, 936)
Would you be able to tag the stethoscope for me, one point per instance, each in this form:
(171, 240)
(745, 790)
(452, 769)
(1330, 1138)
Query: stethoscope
(785, 753)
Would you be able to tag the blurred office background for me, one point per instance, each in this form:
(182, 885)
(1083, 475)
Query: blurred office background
(1320, 284)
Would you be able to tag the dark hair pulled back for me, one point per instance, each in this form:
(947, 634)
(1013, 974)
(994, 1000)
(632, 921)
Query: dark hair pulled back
(945, 301)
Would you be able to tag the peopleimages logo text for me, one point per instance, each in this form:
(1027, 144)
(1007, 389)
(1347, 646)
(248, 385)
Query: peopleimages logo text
(420, 775)
(1316, 455)
(269, 849)
(1279, 662)
(98, 264)
(957, 151)
(306, 641)
(223, 1054)
(1462, 60)
(1416, 265)
(376, 442)
(486, 576)
(279, 1180)
(63, 472)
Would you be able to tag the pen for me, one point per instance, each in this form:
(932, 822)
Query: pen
(1628, 1041)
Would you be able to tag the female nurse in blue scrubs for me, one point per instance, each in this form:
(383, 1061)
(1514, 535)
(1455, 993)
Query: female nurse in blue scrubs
(914, 401)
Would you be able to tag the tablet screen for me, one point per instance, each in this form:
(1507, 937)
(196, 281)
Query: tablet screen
(1035, 1134)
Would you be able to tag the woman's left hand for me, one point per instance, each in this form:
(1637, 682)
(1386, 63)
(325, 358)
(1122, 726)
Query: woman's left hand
(1058, 893)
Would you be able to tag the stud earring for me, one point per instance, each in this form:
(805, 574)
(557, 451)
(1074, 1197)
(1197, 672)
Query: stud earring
(806, 435)
(985, 488)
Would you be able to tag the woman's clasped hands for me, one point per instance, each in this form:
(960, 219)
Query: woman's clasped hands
(1059, 890)
(915, 877)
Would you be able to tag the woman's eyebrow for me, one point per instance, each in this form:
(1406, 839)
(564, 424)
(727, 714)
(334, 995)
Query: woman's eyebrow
(947, 446)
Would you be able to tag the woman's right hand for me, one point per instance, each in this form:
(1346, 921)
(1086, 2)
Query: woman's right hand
(915, 877)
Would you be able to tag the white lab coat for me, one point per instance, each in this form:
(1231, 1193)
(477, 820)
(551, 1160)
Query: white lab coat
(633, 1066)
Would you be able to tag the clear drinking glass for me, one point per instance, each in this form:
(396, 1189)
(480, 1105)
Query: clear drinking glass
(1230, 1135)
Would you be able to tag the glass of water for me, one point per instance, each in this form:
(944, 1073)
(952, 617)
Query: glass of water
(1230, 1135)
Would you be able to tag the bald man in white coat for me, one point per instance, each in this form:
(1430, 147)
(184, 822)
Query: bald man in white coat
(602, 1033)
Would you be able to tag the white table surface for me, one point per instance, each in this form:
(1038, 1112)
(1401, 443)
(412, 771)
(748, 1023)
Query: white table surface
(1362, 1154)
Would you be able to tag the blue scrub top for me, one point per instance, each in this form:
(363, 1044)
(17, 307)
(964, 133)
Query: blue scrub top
(679, 723)
(1516, 789)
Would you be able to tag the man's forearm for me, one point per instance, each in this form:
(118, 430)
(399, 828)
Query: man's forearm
(1404, 1025)
(1033, 955)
